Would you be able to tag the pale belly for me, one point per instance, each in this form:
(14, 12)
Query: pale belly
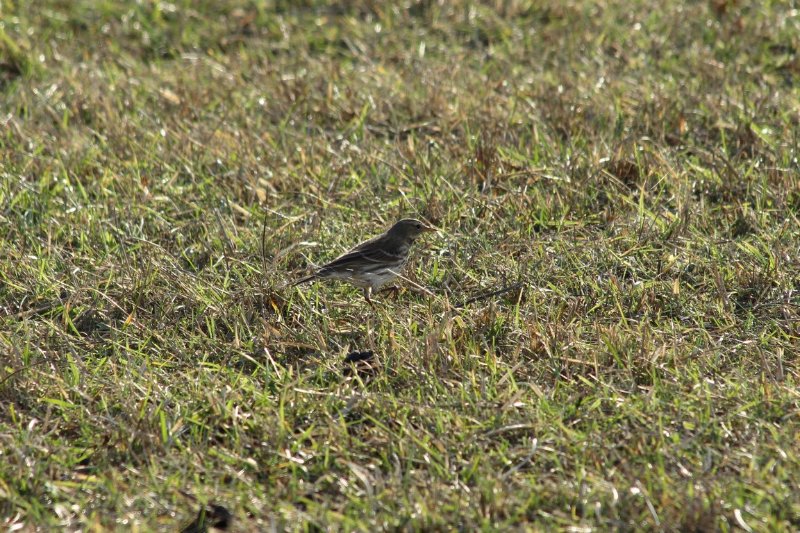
(367, 279)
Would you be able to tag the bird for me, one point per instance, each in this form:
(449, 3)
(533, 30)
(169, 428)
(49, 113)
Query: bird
(374, 262)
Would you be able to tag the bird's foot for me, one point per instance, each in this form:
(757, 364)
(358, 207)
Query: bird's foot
(393, 289)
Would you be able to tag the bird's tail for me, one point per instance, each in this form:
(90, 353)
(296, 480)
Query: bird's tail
(302, 280)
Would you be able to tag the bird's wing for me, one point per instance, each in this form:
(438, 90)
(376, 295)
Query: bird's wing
(373, 250)
(378, 240)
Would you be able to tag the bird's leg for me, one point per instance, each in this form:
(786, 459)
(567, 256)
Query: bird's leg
(367, 293)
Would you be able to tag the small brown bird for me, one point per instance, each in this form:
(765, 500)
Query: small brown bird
(375, 262)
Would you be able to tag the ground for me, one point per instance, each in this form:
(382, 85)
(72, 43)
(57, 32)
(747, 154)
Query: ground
(602, 335)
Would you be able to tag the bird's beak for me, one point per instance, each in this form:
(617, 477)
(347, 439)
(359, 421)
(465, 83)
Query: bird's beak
(430, 229)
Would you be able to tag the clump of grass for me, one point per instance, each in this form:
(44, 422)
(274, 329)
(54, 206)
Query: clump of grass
(13, 60)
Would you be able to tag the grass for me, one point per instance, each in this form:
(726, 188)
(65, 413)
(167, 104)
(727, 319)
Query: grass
(613, 334)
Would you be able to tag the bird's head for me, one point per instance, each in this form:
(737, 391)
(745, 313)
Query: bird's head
(409, 228)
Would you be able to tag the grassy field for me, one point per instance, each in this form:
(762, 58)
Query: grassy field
(611, 330)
